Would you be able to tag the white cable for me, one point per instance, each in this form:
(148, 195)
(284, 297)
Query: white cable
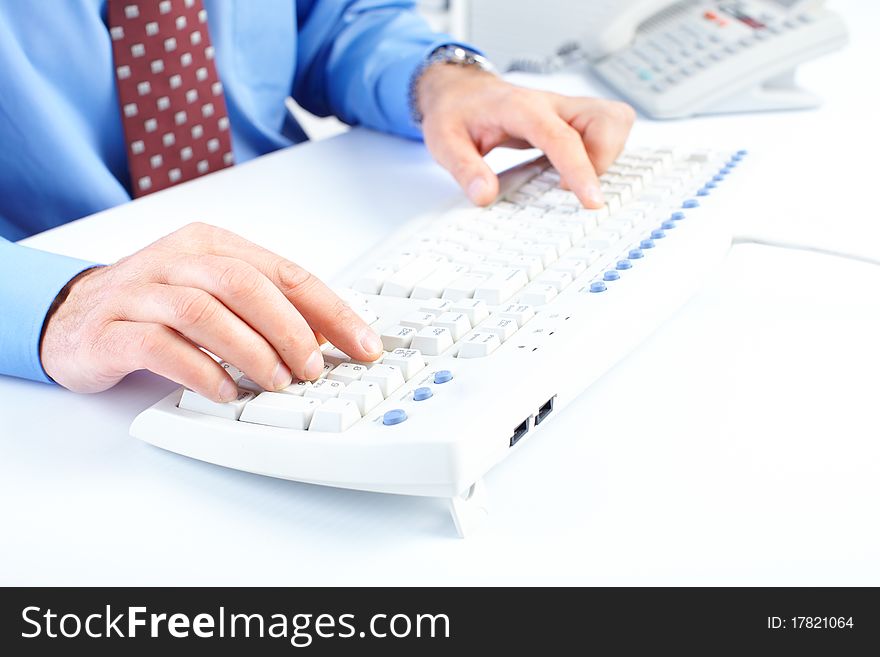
(798, 246)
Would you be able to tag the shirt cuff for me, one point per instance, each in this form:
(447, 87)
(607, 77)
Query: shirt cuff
(29, 282)
(397, 86)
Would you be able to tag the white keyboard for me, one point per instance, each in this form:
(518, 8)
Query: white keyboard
(492, 320)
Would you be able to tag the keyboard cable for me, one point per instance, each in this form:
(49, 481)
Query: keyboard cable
(802, 246)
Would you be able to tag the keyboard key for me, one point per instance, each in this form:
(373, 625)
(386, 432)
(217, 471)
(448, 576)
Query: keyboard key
(347, 373)
(335, 416)
(403, 282)
(545, 252)
(432, 286)
(397, 337)
(442, 376)
(235, 373)
(587, 255)
(423, 393)
(536, 294)
(571, 266)
(366, 314)
(476, 310)
(276, 409)
(418, 320)
(463, 287)
(324, 389)
(518, 312)
(328, 367)
(410, 361)
(432, 341)
(435, 306)
(457, 323)
(558, 279)
(503, 327)
(501, 287)
(192, 401)
(388, 377)
(479, 345)
(364, 394)
(372, 281)
(335, 357)
(297, 388)
(394, 416)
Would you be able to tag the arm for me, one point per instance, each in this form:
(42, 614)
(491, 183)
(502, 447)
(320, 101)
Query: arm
(357, 58)
(29, 282)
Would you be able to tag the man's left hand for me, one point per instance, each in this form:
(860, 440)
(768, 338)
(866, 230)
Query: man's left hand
(466, 112)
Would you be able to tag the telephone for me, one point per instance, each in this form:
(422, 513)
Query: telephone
(678, 59)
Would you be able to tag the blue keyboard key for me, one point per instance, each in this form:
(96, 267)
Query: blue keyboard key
(711, 184)
(718, 178)
(611, 275)
(725, 171)
(646, 244)
(635, 254)
(623, 265)
(394, 416)
(421, 394)
(666, 225)
(598, 286)
(704, 192)
(657, 234)
(442, 376)
(677, 216)
(690, 203)
(742, 152)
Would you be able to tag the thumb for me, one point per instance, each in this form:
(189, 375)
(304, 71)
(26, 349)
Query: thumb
(456, 152)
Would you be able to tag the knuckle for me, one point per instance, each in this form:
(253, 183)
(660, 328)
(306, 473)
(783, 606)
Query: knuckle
(194, 308)
(294, 280)
(622, 112)
(152, 344)
(239, 279)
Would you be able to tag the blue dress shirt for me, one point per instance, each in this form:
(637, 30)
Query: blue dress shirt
(62, 154)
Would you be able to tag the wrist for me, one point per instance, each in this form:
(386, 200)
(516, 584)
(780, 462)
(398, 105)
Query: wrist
(447, 67)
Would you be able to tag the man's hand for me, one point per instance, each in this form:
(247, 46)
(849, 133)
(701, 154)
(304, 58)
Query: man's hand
(198, 286)
(467, 112)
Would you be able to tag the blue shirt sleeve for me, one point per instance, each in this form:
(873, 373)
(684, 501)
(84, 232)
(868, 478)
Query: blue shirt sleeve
(356, 59)
(29, 282)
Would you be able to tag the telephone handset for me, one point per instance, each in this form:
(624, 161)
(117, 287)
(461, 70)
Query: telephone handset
(691, 57)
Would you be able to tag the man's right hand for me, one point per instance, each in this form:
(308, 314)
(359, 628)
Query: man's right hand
(201, 286)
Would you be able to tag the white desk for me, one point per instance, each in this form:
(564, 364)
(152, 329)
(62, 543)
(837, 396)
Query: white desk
(739, 445)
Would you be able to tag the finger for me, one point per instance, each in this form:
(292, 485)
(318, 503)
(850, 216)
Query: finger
(456, 152)
(565, 149)
(201, 318)
(245, 291)
(604, 127)
(145, 346)
(324, 311)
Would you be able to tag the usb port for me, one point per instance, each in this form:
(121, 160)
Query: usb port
(544, 411)
(519, 432)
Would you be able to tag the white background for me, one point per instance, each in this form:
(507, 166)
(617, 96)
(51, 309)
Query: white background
(738, 445)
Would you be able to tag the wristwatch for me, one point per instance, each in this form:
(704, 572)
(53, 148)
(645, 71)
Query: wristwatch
(448, 54)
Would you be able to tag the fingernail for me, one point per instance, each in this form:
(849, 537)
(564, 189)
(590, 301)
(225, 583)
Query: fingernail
(594, 195)
(228, 390)
(282, 377)
(370, 341)
(476, 191)
(314, 365)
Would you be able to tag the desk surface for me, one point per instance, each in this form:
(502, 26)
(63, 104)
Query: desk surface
(738, 445)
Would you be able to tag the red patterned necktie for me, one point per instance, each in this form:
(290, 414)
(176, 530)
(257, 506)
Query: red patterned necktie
(173, 110)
